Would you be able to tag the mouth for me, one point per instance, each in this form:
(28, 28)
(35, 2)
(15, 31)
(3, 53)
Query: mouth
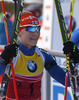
(34, 39)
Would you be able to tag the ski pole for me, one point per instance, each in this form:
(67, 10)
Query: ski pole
(7, 35)
(68, 56)
(5, 22)
(61, 25)
(71, 17)
(15, 5)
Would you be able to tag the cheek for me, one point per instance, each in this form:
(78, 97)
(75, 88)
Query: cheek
(23, 37)
(38, 34)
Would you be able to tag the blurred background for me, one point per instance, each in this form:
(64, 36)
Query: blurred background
(50, 37)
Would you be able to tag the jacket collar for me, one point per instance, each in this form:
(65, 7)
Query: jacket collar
(25, 50)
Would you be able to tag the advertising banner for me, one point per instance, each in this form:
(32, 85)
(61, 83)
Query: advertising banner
(57, 91)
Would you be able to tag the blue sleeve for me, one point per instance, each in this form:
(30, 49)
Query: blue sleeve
(48, 58)
(2, 68)
(58, 74)
(54, 70)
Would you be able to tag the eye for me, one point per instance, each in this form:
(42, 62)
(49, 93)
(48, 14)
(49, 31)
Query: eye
(26, 28)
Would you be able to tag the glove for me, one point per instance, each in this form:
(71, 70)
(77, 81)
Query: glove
(10, 51)
(72, 48)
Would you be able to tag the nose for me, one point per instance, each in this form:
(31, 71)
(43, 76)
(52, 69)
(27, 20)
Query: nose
(36, 32)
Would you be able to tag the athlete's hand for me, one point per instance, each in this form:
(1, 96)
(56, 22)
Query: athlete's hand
(72, 48)
(10, 51)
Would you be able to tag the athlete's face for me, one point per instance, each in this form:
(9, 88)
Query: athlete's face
(28, 38)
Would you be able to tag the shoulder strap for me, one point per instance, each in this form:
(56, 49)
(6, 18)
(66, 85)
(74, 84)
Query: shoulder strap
(38, 51)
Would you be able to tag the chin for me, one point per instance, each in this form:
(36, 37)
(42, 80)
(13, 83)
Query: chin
(34, 44)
